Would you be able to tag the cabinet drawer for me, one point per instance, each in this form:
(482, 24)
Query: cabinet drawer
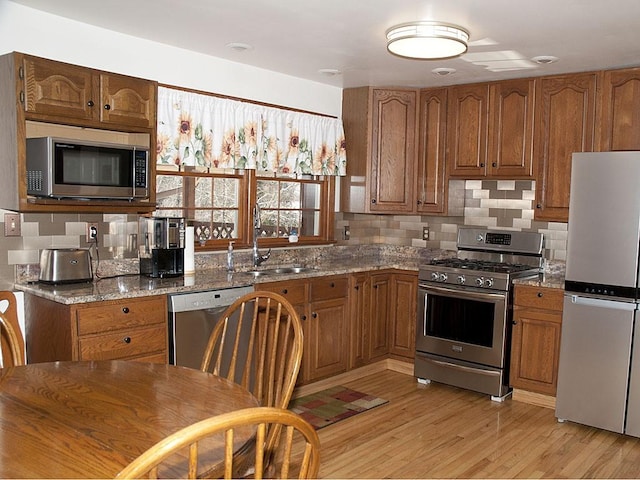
(329, 288)
(296, 293)
(108, 316)
(123, 344)
(539, 297)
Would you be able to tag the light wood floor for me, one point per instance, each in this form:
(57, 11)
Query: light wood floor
(437, 431)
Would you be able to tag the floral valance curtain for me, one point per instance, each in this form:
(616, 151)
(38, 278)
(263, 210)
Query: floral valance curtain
(199, 130)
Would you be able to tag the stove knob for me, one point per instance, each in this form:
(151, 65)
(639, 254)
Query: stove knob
(461, 279)
(443, 277)
(434, 276)
(479, 281)
(489, 282)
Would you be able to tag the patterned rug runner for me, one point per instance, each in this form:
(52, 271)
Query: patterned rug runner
(332, 405)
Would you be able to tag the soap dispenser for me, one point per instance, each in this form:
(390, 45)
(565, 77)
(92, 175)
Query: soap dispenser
(230, 257)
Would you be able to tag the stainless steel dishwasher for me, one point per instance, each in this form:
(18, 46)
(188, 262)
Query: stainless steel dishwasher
(192, 317)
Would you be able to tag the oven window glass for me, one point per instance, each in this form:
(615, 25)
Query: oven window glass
(460, 320)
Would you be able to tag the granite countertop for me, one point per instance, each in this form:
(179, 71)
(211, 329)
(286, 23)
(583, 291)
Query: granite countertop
(546, 279)
(133, 286)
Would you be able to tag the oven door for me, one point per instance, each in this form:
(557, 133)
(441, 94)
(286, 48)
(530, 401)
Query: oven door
(462, 323)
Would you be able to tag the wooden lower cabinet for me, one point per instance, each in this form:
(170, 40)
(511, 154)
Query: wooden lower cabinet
(352, 320)
(535, 348)
(403, 318)
(322, 304)
(129, 329)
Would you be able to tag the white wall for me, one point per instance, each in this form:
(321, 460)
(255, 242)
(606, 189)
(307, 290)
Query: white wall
(30, 31)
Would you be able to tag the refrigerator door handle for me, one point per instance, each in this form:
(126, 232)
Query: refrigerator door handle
(599, 302)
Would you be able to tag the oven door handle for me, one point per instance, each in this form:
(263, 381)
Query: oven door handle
(458, 292)
(489, 373)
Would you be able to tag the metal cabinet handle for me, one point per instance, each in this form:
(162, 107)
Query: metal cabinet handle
(314, 315)
(303, 318)
(494, 164)
(540, 294)
(90, 103)
(107, 106)
(373, 200)
(357, 287)
(126, 339)
(482, 164)
(125, 309)
(332, 284)
(538, 205)
(285, 291)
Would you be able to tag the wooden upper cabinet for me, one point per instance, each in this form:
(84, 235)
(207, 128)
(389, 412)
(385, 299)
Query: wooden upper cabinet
(393, 150)
(380, 131)
(431, 187)
(467, 130)
(511, 129)
(65, 93)
(127, 101)
(54, 89)
(618, 123)
(564, 119)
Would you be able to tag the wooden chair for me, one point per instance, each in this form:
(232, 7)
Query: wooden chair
(257, 343)
(11, 340)
(295, 456)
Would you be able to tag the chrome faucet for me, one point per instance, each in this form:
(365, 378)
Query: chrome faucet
(258, 259)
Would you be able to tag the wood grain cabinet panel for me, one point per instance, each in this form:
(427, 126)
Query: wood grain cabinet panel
(511, 129)
(432, 185)
(467, 127)
(380, 131)
(618, 122)
(380, 308)
(127, 101)
(129, 329)
(403, 319)
(565, 116)
(322, 304)
(359, 319)
(535, 349)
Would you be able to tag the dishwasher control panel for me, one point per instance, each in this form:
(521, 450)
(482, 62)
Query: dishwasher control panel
(186, 302)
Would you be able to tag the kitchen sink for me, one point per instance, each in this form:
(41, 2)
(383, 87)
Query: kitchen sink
(279, 271)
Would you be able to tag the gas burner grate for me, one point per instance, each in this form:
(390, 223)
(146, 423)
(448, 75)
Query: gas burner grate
(481, 265)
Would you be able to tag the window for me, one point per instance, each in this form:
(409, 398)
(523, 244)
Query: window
(220, 206)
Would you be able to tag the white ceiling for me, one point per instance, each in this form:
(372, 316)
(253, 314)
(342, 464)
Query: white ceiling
(299, 37)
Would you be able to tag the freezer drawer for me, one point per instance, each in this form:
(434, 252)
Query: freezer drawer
(595, 352)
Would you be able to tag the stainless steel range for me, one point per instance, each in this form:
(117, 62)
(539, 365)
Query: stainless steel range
(463, 332)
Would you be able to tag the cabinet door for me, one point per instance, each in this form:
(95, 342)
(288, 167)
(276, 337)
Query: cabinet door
(359, 315)
(511, 129)
(60, 90)
(565, 110)
(327, 327)
(467, 130)
(403, 319)
(393, 150)
(535, 350)
(431, 189)
(127, 101)
(379, 310)
(619, 119)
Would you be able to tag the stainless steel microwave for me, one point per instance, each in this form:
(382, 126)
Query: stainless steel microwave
(63, 168)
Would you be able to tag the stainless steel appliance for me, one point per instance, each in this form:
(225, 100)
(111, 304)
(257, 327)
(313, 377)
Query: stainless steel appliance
(599, 367)
(192, 317)
(162, 251)
(64, 168)
(65, 265)
(464, 309)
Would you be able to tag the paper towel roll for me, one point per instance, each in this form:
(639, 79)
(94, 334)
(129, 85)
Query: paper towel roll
(189, 251)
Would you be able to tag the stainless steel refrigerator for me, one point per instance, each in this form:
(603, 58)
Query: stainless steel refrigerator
(599, 369)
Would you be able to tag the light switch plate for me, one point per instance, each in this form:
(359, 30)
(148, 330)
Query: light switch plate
(11, 224)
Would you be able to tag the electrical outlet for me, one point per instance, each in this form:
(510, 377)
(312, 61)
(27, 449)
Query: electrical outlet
(425, 233)
(346, 233)
(11, 224)
(92, 232)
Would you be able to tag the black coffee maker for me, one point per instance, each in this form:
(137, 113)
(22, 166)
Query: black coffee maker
(162, 250)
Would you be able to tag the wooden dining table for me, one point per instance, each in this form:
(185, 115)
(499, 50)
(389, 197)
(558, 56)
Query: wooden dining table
(90, 419)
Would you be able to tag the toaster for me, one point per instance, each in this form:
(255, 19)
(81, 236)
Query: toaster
(65, 265)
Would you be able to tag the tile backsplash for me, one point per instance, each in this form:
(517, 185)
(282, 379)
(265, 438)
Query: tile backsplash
(503, 204)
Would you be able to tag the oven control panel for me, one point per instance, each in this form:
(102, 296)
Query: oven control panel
(470, 279)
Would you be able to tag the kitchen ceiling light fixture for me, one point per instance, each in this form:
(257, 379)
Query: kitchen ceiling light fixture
(427, 40)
